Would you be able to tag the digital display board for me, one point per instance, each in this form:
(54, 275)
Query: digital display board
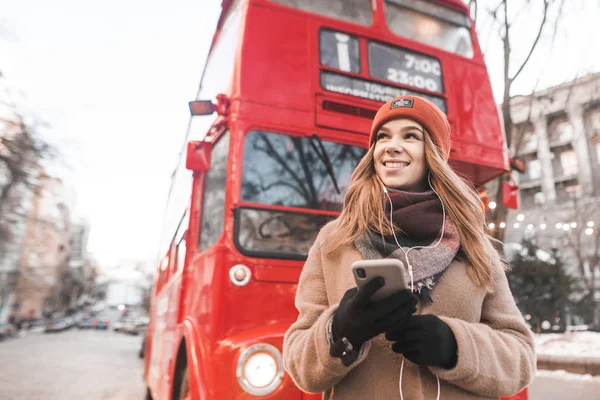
(405, 67)
(343, 84)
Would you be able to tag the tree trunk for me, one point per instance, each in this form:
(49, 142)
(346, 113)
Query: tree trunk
(500, 213)
(595, 290)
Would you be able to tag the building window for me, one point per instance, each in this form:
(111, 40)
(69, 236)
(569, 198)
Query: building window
(593, 120)
(569, 163)
(525, 138)
(534, 169)
(531, 142)
(565, 131)
(528, 197)
(539, 198)
(561, 131)
(567, 190)
(573, 191)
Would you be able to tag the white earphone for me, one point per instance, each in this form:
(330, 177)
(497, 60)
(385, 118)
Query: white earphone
(410, 268)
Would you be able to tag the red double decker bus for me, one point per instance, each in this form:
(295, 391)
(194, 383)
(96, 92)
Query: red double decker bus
(282, 118)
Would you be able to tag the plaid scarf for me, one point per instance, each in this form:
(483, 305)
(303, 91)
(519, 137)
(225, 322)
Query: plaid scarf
(418, 221)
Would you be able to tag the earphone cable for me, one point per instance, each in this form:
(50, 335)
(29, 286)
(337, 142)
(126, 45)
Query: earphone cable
(410, 269)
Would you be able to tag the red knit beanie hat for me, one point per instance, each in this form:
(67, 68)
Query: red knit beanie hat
(420, 110)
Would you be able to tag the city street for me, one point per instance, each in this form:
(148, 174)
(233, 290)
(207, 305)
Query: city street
(89, 364)
(103, 365)
(557, 385)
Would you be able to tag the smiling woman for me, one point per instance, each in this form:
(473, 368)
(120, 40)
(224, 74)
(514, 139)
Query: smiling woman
(452, 328)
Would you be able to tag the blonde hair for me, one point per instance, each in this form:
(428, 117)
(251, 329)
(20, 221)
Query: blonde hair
(365, 202)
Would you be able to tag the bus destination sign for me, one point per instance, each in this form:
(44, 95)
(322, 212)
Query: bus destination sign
(405, 67)
(370, 90)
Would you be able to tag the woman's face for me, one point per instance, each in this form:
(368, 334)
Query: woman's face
(399, 155)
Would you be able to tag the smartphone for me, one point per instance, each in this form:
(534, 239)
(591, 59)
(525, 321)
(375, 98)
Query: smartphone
(392, 270)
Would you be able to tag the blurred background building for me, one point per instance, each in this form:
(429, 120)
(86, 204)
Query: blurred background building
(127, 284)
(557, 134)
(19, 175)
(79, 277)
(43, 263)
(44, 252)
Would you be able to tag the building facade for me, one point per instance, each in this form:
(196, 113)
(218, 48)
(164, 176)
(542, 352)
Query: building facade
(127, 284)
(557, 134)
(78, 284)
(44, 252)
(16, 195)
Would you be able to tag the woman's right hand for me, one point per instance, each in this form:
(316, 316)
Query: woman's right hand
(359, 320)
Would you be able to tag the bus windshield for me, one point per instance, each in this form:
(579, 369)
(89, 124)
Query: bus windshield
(357, 11)
(290, 171)
(430, 23)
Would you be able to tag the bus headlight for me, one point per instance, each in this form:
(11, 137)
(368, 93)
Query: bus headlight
(260, 369)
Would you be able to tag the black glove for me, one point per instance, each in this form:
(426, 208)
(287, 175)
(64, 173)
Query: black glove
(425, 340)
(358, 320)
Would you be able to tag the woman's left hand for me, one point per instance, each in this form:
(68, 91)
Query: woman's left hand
(425, 340)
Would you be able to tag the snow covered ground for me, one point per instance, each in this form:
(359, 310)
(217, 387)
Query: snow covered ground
(575, 344)
(561, 385)
(566, 376)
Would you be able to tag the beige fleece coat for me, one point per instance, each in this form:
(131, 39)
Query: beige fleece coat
(495, 347)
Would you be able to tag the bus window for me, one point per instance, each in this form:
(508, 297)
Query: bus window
(218, 72)
(339, 50)
(357, 11)
(430, 23)
(213, 195)
(276, 234)
(181, 249)
(289, 171)
(162, 273)
(179, 242)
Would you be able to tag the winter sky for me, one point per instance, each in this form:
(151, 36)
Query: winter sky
(112, 80)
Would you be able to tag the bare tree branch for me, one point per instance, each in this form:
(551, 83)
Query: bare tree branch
(520, 135)
(536, 40)
(505, 25)
(494, 12)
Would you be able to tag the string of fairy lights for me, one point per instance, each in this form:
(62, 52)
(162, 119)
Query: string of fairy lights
(564, 226)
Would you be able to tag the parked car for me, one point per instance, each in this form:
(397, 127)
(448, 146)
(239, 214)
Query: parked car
(7, 331)
(135, 326)
(57, 325)
(118, 326)
(85, 323)
(132, 326)
(98, 323)
(70, 321)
